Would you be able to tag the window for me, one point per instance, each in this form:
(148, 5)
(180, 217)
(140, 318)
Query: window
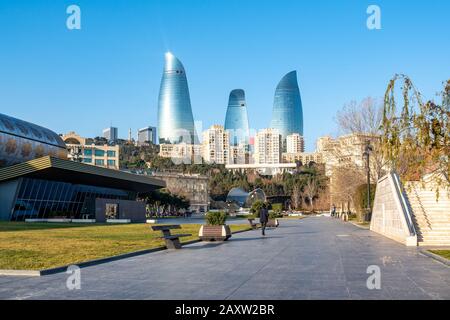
(87, 160)
(111, 153)
(99, 162)
(112, 163)
(88, 152)
(99, 153)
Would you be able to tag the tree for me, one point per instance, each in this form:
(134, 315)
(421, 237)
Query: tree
(364, 117)
(416, 139)
(297, 196)
(344, 183)
(165, 202)
(311, 190)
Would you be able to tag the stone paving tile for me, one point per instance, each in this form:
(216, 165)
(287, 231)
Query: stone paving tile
(307, 259)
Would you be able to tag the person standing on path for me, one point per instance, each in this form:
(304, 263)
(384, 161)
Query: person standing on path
(263, 218)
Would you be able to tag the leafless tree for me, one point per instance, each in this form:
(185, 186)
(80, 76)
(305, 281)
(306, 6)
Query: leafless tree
(311, 190)
(296, 197)
(345, 180)
(364, 117)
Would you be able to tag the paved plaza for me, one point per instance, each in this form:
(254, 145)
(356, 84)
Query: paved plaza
(313, 258)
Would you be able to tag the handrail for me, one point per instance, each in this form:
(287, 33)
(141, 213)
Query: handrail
(405, 207)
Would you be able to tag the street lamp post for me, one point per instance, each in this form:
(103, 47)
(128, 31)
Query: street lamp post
(366, 154)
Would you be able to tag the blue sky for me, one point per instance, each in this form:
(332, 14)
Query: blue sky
(110, 70)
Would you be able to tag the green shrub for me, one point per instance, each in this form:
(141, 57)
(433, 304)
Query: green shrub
(277, 207)
(216, 218)
(256, 207)
(275, 215)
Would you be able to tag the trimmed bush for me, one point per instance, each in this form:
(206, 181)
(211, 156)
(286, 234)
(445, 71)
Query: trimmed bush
(277, 207)
(216, 218)
(256, 207)
(275, 215)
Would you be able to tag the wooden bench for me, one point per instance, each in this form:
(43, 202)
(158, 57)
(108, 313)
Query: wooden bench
(172, 240)
(253, 224)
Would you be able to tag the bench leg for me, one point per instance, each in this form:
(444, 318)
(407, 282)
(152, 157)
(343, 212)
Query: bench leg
(173, 244)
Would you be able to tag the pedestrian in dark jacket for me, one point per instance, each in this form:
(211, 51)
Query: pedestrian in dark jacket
(263, 218)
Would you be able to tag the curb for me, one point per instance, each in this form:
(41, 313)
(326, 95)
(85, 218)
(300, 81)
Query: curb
(20, 273)
(90, 263)
(360, 226)
(435, 257)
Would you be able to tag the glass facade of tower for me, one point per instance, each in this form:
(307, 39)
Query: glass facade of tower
(287, 114)
(236, 120)
(175, 119)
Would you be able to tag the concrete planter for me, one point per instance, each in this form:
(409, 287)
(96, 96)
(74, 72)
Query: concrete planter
(272, 223)
(214, 233)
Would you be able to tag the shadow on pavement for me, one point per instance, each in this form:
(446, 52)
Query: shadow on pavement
(253, 239)
(204, 246)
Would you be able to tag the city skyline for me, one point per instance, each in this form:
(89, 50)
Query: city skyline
(110, 70)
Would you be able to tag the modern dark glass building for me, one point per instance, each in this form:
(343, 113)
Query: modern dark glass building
(22, 141)
(236, 119)
(37, 181)
(287, 114)
(48, 187)
(175, 119)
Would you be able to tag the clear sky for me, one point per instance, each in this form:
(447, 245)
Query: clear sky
(109, 72)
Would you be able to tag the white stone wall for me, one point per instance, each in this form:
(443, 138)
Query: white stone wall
(388, 218)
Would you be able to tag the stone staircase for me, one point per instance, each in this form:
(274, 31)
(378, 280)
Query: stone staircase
(431, 217)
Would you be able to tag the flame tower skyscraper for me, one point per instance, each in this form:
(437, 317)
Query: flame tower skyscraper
(236, 119)
(175, 119)
(287, 115)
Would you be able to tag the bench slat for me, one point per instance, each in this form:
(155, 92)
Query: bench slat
(167, 227)
(175, 236)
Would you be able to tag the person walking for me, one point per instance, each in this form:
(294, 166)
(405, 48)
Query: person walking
(263, 218)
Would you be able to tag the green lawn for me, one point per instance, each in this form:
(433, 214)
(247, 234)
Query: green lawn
(442, 253)
(35, 246)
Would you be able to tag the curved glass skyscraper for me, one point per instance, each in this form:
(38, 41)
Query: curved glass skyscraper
(236, 119)
(287, 114)
(175, 119)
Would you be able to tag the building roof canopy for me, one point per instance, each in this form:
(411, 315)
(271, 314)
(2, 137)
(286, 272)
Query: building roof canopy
(50, 168)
